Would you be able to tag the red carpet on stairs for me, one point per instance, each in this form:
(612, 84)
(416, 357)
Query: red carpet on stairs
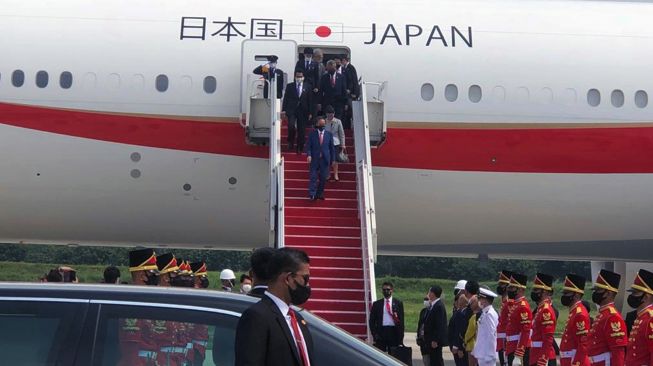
(329, 232)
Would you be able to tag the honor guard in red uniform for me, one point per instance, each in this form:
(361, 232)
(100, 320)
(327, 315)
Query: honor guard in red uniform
(165, 333)
(640, 342)
(573, 347)
(199, 333)
(518, 328)
(544, 323)
(137, 347)
(168, 268)
(506, 303)
(607, 337)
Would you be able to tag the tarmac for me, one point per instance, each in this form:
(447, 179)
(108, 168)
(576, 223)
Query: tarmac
(410, 341)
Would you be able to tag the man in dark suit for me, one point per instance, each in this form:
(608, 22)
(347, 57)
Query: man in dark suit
(352, 88)
(423, 349)
(298, 109)
(270, 72)
(387, 320)
(258, 262)
(311, 68)
(435, 326)
(321, 154)
(333, 89)
(270, 332)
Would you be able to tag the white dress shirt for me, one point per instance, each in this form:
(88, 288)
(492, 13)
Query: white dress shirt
(388, 321)
(284, 308)
(485, 349)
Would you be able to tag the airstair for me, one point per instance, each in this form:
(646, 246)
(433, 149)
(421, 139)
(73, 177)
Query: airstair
(339, 233)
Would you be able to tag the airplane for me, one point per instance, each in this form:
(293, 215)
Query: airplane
(516, 129)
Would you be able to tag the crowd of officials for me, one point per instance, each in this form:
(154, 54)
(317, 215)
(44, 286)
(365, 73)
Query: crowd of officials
(513, 333)
(319, 93)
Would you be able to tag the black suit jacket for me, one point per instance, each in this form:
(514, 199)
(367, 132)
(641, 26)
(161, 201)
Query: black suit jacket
(435, 325)
(264, 338)
(420, 340)
(376, 317)
(258, 292)
(312, 73)
(332, 95)
(352, 79)
(298, 106)
(266, 75)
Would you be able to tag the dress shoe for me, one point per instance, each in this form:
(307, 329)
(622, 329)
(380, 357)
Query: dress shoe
(321, 197)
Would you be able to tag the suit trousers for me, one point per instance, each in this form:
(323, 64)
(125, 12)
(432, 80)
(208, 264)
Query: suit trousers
(461, 361)
(297, 131)
(435, 355)
(511, 358)
(319, 173)
(388, 338)
(426, 359)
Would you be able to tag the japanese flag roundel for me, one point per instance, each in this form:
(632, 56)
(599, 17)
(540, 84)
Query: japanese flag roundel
(323, 32)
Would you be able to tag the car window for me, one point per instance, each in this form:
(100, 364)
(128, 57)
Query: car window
(38, 333)
(144, 335)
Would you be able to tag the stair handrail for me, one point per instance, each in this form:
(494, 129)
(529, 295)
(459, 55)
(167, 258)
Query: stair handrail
(277, 198)
(366, 207)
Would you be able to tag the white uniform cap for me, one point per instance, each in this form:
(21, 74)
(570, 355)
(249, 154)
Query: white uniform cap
(487, 293)
(460, 285)
(227, 274)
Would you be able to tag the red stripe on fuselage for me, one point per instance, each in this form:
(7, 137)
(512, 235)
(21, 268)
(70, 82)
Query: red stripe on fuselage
(532, 150)
(214, 137)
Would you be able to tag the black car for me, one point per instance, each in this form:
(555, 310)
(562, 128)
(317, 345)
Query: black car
(112, 325)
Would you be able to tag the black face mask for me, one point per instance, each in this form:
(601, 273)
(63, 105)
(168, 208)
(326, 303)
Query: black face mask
(204, 282)
(321, 128)
(501, 290)
(512, 294)
(387, 293)
(536, 296)
(566, 300)
(300, 294)
(331, 72)
(597, 297)
(635, 301)
(152, 279)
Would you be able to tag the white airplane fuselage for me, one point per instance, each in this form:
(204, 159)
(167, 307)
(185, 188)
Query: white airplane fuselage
(514, 127)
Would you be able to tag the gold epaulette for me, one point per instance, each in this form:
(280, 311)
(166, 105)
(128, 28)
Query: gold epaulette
(546, 305)
(578, 310)
(613, 310)
(650, 313)
(523, 303)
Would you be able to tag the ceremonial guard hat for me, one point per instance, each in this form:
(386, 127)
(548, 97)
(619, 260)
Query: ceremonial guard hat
(142, 260)
(199, 268)
(504, 276)
(184, 268)
(574, 283)
(608, 281)
(643, 282)
(543, 281)
(518, 280)
(167, 263)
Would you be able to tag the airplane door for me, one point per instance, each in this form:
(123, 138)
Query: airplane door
(254, 53)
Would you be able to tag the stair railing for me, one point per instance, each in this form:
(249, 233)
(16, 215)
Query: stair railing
(277, 198)
(366, 206)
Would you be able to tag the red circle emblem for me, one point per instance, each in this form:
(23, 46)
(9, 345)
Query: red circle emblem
(323, 31)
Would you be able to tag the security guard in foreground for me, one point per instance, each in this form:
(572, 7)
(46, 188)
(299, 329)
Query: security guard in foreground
(640, 343)
(573, 346)
(607, 337)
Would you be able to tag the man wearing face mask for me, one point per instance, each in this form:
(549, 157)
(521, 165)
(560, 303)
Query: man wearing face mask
(142, 266)
(640, 342)
(200, 274)
(518, 327)
(311, 67)
(486, 339)
(506, 304)
(298, 109)
(167, 267)
(542, 352)
(321, 154)
(387, 320)
(420, 332)
(435, 326)
(333, 89)
(245, 283)
(573, 346)
(607, 336)
(270, 332)
(271, 74)
(228, 279)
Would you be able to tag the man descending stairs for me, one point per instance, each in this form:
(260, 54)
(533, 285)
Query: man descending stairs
(329, 231)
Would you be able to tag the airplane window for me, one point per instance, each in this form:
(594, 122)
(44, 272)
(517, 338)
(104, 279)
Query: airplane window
(499, 94)
(42, 79)
(66, 80)
(210, 84)
(641, 99)
(18, 78)
(475, 93)
(593, 97)
(427, 92)
(451, 92)
(161, 83)
(617, 98)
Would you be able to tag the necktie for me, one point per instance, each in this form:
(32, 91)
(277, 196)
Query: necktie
(321, 137)
(299, 90)
(389, 310)
(333, 80)
(307, 63)
(298, 338)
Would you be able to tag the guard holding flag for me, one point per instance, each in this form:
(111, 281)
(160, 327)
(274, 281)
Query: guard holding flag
(607, 337)
(573, 346)
(640, 343)
(506, 304)
(544, 323)
(518, 328)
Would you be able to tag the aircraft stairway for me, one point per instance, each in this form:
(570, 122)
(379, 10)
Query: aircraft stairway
(329, 232)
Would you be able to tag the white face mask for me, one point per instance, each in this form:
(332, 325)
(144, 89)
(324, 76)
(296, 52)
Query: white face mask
(273, 65)
(309, 59)
(427, 303)
(246, 288)
(299, 80)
